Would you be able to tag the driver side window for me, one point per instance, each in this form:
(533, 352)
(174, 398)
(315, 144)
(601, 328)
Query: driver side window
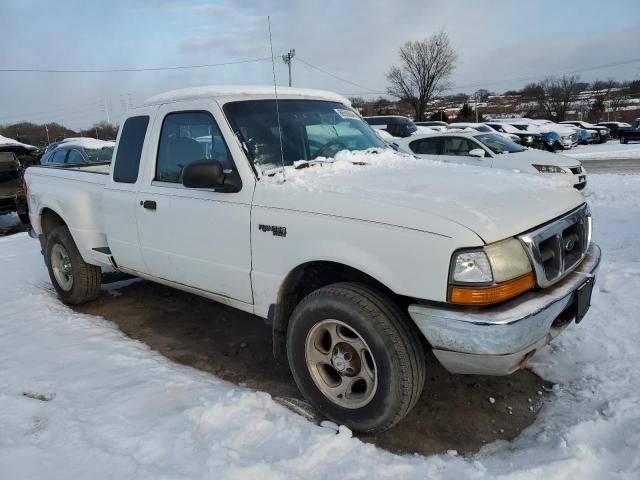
(457, 146)
(187, 137)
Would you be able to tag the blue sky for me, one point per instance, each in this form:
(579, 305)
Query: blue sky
(497, 40)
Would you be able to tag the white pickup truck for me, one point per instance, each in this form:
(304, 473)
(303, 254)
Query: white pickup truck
(291, 208)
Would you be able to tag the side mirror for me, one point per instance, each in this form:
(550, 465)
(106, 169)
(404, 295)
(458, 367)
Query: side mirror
(477, 152)
(203, 174)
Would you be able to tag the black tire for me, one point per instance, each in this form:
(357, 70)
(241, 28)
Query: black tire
(24, 218)
(394, 343)
(85, 278)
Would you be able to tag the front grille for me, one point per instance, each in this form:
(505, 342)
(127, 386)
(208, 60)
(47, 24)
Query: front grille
(575, 170)
(557, 248)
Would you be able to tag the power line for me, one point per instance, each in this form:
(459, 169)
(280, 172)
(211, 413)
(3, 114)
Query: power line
(142, 69)
(335, 76)
(58, 111)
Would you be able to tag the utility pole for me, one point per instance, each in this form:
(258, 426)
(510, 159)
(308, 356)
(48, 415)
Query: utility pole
(46, 128)
(476, 109)
(287, 59)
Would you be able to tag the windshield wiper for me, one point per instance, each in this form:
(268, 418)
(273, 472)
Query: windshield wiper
(308, 163)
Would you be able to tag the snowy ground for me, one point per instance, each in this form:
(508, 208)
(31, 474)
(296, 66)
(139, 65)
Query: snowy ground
(78, 399)
(612, 150)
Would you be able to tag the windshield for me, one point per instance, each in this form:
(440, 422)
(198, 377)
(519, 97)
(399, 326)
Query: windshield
(498, 144)
(310, 129)
(510, 128)
(99, 154)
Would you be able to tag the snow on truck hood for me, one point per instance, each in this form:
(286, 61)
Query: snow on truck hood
(401, 190)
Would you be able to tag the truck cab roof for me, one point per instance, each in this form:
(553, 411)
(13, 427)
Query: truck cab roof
(245, 92)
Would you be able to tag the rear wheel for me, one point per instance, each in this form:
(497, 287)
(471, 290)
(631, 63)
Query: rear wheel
(75, 280)
(355, 356)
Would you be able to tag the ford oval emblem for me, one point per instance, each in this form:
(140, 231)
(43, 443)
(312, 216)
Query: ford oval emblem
(569, 244)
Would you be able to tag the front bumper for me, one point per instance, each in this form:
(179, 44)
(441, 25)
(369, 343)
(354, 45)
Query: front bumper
(498, 340)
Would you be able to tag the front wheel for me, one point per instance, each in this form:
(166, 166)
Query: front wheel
(355, 356)
(75, 280)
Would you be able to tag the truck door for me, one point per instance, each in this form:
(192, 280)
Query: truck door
(193, 236)
(120, 195)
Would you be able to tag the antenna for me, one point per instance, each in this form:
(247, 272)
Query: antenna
(275, 89)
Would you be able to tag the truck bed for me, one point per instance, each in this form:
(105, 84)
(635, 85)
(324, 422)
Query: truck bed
(77, 191)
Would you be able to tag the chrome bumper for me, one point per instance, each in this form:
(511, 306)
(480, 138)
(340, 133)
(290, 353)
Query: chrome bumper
(497, 340)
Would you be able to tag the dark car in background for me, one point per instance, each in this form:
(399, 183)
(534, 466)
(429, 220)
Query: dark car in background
(616, 128)
(631, 134)
(527, 139)
(78, 152)
(396, 125)
(15, 158)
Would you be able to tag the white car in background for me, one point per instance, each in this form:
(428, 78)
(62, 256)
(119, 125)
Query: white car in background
(493, 151)
(484, 128)
(569, 138)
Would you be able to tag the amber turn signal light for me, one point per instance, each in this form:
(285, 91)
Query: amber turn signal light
(487, 295)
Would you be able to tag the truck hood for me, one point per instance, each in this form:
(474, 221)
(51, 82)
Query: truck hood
(420, 194)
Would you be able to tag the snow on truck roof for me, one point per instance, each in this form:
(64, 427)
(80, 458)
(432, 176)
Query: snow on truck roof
(243, 91)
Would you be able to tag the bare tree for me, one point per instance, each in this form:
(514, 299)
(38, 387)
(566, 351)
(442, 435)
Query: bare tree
(555, 94)
(424, 71)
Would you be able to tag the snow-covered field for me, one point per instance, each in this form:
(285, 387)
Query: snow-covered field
(80, 400)
(612, 150)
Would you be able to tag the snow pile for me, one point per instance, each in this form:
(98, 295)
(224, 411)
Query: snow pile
(78, 399)
(86, 142)
(612, 150)
(422, 130)
(398, 172)
(10, 142)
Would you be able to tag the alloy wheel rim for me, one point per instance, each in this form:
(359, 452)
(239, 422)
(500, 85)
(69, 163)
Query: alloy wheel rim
(341, 364)
(61, 266)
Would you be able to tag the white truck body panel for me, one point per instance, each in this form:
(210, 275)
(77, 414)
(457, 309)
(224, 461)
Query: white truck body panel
(401, 233)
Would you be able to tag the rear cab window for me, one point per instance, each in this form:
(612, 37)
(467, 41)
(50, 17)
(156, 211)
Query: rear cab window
(127, 161)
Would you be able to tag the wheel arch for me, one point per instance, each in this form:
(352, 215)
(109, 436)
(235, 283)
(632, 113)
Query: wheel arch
(308, 277)
(49, 219)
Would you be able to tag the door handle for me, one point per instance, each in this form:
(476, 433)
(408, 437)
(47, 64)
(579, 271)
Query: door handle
(149, 204)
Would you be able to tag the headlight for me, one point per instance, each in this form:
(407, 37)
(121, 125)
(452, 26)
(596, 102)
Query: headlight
(472, 267)
(491, 274)
(548, 169)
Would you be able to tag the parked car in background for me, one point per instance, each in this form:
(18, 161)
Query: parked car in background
(616, 128)
(527, 138)
(357, 269)
(602, 133)
(15, 158)
(568, 137)
(434, 125)
(631, 134)
(484, 128)
(396, 125)
(494, 151)
(79, 151)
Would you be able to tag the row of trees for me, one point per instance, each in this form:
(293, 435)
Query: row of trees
(424, 73)
(42, 134)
